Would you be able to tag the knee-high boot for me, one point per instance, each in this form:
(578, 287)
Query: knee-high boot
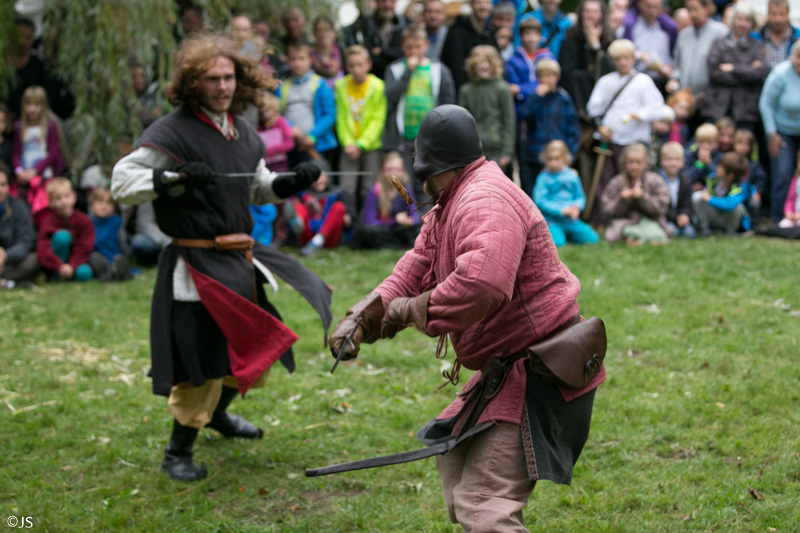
(178, 461)
(230, 425)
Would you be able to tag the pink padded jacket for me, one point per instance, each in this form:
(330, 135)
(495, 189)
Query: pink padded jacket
(498, 281)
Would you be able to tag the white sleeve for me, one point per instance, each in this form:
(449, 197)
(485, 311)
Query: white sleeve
(132, 177)
(651, 99)
(261, 192)
(599, 98)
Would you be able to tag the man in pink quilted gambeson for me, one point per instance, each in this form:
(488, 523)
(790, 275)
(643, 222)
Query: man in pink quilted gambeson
(485, 272)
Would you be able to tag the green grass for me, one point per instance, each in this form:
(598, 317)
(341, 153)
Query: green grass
(701, 405)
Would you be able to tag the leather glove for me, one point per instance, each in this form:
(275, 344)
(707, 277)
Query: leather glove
(404, 312)
(196, 174)
(304, 175)
(370, 310)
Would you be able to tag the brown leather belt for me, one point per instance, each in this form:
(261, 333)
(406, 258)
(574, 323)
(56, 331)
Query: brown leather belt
(232, 242)
(494, 374)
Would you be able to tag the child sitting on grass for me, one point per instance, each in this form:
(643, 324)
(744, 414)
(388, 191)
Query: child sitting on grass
(18, 263)
(559, 196)
(679, 214)
(720, 205)
(636, 201)
(702, 156)
(385, 220)
(66, 236)
(108, 261)
(320, 214)
(744, 142)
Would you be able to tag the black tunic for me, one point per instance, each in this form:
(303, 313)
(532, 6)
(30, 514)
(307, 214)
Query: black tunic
(186, 345)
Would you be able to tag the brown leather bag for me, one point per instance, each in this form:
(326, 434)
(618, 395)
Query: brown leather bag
(573, 357)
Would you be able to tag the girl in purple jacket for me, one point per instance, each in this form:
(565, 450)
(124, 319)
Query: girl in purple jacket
(385, 220)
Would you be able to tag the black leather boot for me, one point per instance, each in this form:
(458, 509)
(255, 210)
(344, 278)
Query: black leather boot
(178, 455)
(231, 425)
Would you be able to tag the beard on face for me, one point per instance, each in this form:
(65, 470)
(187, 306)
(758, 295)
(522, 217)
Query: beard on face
(427, 189)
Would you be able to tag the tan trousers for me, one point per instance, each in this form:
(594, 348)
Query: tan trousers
(194, 406)
(485, 481)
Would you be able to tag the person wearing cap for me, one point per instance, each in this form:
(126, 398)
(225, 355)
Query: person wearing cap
(485, 272)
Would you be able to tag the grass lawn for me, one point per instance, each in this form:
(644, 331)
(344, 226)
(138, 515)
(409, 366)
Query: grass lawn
(696, 429)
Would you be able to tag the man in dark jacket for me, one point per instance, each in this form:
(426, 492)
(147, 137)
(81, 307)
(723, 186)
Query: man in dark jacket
(380, 33)
(213, 333)
(466, 33)
(18, 261)
(777, 34)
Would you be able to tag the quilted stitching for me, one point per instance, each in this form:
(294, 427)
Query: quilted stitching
(501, 283)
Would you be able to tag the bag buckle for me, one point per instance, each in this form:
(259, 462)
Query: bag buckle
(592, 365)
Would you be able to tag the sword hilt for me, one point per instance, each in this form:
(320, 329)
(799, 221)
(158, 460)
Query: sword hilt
(344, 344)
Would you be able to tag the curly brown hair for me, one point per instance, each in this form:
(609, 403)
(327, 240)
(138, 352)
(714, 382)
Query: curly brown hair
(192, 60)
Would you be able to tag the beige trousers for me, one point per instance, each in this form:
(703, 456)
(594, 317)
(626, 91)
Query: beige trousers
(485, 481)
(194, 406)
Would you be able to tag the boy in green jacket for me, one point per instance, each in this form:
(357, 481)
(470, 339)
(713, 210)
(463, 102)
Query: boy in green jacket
(360, 117)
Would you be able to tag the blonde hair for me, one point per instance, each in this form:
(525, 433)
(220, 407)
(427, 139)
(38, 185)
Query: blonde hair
(34, 94)
(621, 47)
(725, 123)
(706, 132)
(557, 147)
(749, 12)
(548, 65)
(672, 148)
(627, 152)
(414, 31)
(745, 135)
(386, 191)
(478, 54)
(357, 50)
(268, 101)
(57, 183)
(100, 194)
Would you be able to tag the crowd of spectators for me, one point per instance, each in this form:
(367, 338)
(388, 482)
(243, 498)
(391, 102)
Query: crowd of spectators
(678, 123)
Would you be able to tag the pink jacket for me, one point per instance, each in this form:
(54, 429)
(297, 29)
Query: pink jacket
(53, 159)
(499, 283)
(791, 204)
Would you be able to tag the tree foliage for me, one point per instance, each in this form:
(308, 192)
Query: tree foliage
(6, 30)
(90, 43)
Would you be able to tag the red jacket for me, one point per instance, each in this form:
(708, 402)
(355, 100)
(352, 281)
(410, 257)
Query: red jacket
(499, 282)
(80, 227)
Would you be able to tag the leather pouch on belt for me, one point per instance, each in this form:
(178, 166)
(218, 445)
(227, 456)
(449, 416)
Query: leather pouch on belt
(573, 357)
(234, 241)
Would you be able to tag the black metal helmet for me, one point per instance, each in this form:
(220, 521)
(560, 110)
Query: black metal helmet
(447, 139)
